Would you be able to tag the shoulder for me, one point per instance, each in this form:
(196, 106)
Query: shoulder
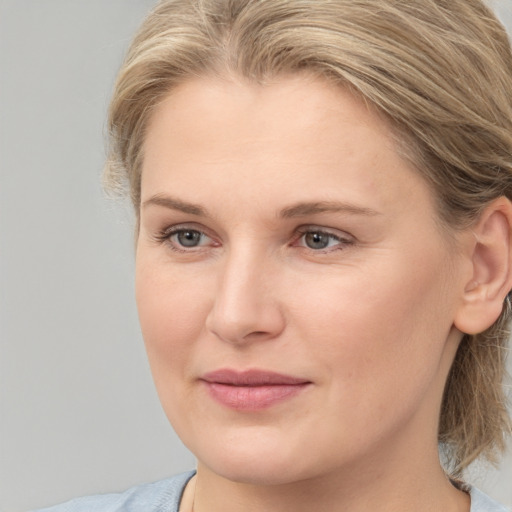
(480, 502)
(162, 496)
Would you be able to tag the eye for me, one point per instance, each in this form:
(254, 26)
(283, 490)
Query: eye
(185, 239)
(188, 237)
(318, 240)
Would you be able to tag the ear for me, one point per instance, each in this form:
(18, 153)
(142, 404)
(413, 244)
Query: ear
(491, 265)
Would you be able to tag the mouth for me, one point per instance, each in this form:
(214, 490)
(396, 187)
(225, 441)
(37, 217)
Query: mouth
(252, 390)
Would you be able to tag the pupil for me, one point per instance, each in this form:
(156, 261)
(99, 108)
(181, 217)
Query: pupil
(189, 238)
(317, 240)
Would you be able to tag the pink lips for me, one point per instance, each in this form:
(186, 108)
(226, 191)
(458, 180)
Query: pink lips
(251, 390)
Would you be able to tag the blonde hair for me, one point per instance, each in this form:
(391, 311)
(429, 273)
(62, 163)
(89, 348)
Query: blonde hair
(439, 70)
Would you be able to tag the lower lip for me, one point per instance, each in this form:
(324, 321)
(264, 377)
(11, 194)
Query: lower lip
(253, 398)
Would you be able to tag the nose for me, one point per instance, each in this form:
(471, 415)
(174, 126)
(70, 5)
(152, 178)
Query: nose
(246, 306)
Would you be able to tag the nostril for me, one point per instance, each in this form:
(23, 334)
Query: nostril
(257, 333)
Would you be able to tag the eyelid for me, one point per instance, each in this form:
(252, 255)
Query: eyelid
(164, 236)
(337, 233)
(342, 237)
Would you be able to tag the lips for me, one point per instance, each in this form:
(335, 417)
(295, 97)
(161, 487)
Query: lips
(252, 390)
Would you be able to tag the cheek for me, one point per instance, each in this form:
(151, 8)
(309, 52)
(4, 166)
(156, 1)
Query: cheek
(172, 312)
(382, 330)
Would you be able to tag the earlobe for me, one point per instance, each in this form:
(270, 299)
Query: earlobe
(491, 263)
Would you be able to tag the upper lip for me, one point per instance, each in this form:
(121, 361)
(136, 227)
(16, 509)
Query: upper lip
(252, 377)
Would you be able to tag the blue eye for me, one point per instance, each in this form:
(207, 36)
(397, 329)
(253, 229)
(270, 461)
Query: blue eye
(183, 239)
(187, 237)
(318, 240)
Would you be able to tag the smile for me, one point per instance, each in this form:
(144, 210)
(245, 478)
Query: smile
(252, 390)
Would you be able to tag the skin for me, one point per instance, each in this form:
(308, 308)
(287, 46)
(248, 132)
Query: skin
(368, 320)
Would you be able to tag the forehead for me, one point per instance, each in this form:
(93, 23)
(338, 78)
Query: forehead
(297, 136)
(291, 108)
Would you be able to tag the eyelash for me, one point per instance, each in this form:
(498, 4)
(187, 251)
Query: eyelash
(342, 241)
(165, 236)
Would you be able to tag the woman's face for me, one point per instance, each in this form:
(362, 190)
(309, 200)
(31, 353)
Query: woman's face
(295, 290)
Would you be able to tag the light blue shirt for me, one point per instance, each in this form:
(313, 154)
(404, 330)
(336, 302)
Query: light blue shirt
(165, 496)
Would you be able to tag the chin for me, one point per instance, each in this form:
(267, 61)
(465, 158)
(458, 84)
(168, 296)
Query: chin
(258, 472)
(260, 461)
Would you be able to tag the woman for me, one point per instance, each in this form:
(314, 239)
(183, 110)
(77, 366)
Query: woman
(323, 245)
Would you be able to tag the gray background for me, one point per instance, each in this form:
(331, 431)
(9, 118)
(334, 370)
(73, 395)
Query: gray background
(78, 413)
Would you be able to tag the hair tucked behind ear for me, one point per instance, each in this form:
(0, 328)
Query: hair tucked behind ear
(474, 416)
(439, 70)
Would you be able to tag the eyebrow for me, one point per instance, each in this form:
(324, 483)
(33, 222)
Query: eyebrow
(306, 208)
(175, 204)
(296, 210)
